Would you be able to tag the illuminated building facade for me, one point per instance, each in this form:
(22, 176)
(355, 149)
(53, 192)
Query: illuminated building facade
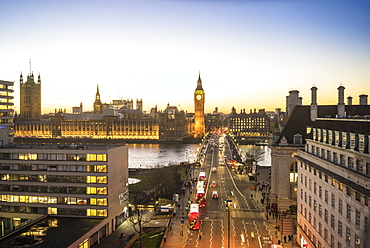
(6, 112)
(30, 97)
(102, 128)
(199, 125)
(252, 124)
(65, 181)
(172, 125)
(334, 185)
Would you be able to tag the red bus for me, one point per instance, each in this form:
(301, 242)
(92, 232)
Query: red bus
(202, 176)
(194, 220)
(200, 193)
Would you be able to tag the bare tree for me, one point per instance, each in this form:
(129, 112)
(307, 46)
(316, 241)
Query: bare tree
(255, 154)
(138, 218)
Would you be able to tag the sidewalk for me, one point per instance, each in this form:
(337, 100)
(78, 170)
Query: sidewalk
(175, 234)
(271, 220)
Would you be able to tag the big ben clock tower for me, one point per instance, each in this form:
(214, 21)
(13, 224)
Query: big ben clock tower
(199, 127)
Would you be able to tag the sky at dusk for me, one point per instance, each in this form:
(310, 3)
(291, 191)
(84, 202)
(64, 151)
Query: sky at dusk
(250, 54)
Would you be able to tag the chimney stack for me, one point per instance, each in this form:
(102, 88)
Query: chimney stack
(363, 99)
(349, 100)
(341, 106)
(313, 103)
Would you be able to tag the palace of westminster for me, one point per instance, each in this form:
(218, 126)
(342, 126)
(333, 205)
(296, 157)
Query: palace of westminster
(120, 120)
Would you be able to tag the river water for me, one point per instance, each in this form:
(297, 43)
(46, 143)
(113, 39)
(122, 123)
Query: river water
(159, 155)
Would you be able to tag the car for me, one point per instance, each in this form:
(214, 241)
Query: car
(213, 184)
(202, 203)
(214, 195)
(214, 169)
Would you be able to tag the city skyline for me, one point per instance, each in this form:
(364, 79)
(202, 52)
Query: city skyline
(249, 53)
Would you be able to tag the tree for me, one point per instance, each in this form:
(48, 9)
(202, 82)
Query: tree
(138, 218)
(255, 154)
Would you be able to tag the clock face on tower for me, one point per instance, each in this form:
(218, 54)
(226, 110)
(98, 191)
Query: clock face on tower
(199, 97)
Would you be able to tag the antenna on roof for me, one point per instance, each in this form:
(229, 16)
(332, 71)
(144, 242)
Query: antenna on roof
(30, 67)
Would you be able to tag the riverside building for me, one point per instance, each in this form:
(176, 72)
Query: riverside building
(334, 185)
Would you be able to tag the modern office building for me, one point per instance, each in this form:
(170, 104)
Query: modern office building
(65, 181)
(334, 185)
(30, 97)
(6, 112)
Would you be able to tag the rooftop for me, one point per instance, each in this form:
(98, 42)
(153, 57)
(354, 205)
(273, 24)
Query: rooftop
(51, 232)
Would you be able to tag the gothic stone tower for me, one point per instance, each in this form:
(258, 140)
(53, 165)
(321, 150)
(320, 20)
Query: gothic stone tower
(30, 97)
(98, 106)
(199, 126)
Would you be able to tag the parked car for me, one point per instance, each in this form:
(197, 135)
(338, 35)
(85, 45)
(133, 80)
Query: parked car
(214, 169)
(213, 184)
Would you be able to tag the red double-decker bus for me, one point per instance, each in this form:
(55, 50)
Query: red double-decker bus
(194, 220)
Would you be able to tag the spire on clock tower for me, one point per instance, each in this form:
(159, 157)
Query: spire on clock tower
(199, 83)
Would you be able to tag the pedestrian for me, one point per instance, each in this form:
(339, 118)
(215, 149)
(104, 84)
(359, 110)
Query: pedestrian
(284, 239)
(200, 235)
(121, 236)
(251, 195)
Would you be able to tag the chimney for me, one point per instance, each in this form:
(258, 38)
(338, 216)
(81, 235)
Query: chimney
(363, 99)
(349, 100)
(293, 100)
(341, 106)
(313, 103)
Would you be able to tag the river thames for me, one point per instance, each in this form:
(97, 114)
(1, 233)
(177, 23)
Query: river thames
(160, 155)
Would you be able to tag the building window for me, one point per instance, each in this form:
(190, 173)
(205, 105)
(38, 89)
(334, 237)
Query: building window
(348, 235)
(358, 196)
(357, 241)
(342, 160)
(332, 221)
(322, 153)
(359, 165)
(366, 224)
(326, 234)
(314, 222)
(309, 200)
(314, 205)
(340, 206)
(320, 210)
(314, 187)
(350, 163)
(349, 191)
(320, 229)
(335, 158)
(340, 186)
(348, 212)
(333, 200)
(358, 218)
(326, 216)
(332, 241)
(333, 181)
(320, 191)
(367, 169)
(326, 196)
(328, 155)
(340, 228)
